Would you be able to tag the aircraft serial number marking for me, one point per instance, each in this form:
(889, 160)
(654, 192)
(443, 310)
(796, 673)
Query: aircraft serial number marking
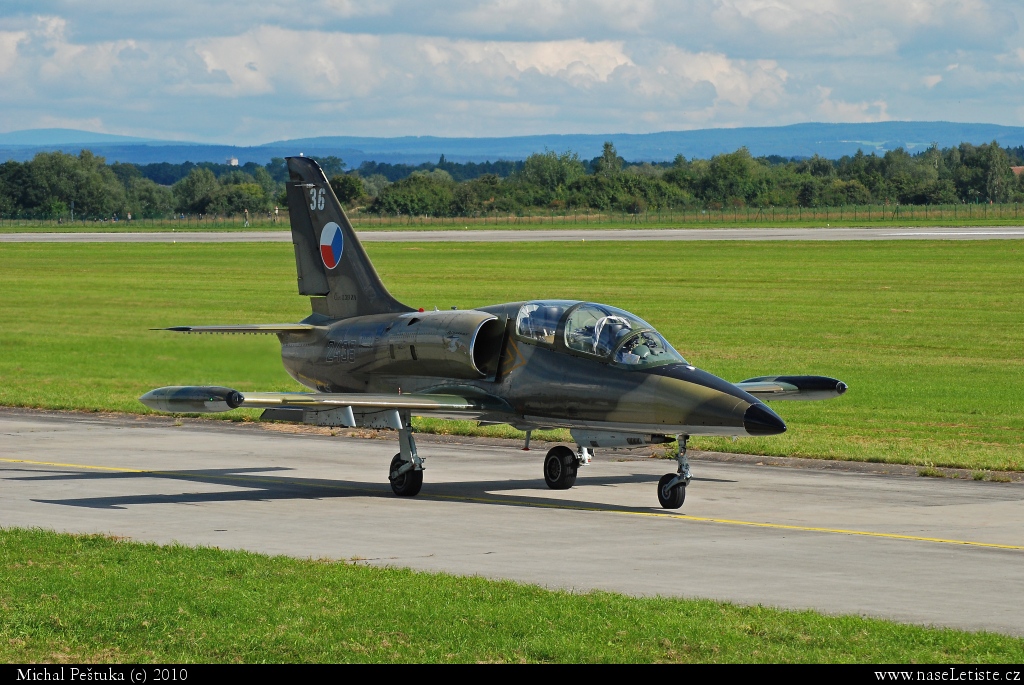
(316, 199)
(538, 505)
(341, 351)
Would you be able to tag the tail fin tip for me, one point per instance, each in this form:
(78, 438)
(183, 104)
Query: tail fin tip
(333, 268)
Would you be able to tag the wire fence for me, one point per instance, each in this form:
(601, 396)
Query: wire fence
(866, 214)
(729, 216)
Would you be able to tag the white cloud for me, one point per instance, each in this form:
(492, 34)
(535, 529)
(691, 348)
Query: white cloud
(675, 73)
(546, 17)
(352, 8)
(338, 66)
(575, 59)
(268, 60)
(252, 70)
(9, 41)
(503, 78)
(851, 112)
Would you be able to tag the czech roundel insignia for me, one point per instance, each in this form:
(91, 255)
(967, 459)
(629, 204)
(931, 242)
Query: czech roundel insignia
(332, 244)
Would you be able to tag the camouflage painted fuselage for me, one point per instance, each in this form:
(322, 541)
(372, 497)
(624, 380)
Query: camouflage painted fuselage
(540, 385)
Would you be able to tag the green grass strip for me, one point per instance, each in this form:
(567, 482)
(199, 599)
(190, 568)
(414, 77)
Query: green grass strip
(928, 334)
(75, 598)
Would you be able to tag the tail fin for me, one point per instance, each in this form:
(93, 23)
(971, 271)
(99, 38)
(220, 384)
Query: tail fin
(332, 266)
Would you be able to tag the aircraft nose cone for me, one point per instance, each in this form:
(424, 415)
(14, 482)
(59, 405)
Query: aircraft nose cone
(841, 387)
(760, 420)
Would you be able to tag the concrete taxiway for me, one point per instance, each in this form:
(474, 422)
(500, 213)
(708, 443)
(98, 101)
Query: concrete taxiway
(922, 550)
(545, 235)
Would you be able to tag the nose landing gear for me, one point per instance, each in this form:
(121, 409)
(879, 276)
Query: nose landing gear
(672, 486)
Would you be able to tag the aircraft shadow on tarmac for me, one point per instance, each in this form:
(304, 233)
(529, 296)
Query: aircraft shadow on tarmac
(261, 484)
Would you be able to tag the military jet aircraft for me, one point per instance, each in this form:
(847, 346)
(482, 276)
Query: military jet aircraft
(602, 372)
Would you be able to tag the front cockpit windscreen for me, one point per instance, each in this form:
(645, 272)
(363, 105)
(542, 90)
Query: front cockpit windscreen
(598, 329)
(647, 348)
(539, 320)
(601, 330)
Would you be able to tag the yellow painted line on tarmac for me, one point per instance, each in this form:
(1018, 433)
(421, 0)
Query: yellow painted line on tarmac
(180, 474)
(195, 476)
(733, 522)
(73, 466)
(836, 531)
(544, 505)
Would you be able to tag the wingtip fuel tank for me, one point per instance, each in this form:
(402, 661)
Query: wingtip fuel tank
(801, 388)
(193, 399)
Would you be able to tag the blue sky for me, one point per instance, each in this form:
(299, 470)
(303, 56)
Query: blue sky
(250, 71)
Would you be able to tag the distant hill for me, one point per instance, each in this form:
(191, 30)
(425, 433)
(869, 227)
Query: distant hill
(798, 140)
(46, 137)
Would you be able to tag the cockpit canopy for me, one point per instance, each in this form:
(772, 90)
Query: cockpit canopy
(539, 320)
(594, 329)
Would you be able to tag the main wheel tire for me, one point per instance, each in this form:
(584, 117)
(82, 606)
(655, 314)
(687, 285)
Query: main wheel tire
(560, 468)
(674, 498)
(409, 483)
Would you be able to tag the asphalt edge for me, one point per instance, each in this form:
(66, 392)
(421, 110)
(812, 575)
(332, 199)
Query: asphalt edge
(653, 451)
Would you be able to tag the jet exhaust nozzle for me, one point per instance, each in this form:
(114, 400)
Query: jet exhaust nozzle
(760, 420)
(193, 399)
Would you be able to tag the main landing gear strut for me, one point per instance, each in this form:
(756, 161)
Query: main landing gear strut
(406, 473)
(672, 486)
(561, 464)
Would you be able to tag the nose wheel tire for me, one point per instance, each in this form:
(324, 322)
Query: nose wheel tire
(409, 483)
(560, 468)
(670, 498)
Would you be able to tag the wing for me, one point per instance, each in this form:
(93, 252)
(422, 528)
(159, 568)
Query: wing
(772, 388)
(344, 406)
(426, 403)
(248, 328)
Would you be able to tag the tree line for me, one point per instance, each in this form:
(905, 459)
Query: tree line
(55, 185)
(563, 182)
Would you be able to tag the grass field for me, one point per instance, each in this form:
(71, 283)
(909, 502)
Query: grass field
(91, 598)
(879, 216)
(929, 335)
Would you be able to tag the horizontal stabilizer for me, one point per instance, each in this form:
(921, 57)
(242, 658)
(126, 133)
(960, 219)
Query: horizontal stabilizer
(243, 329)
(773, 388)
(202, 399)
